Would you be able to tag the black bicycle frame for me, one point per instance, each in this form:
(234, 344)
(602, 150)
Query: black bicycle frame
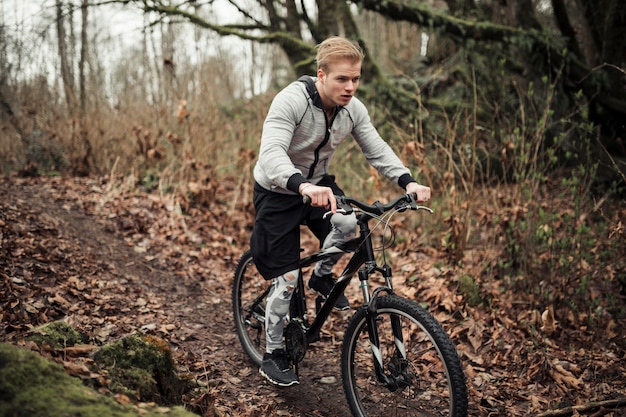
(363, 263)
(363, 255)
(312, 331)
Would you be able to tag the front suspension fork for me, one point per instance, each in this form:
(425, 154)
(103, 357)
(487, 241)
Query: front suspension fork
(391, 382)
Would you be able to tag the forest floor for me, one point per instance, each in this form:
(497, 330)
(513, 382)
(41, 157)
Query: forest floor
(113, 261)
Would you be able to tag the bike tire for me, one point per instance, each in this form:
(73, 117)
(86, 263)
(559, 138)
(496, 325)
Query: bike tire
(248, 285)
(437, 382)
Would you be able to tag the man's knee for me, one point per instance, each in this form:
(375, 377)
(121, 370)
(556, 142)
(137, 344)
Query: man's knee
(286, 283)
(344, 224)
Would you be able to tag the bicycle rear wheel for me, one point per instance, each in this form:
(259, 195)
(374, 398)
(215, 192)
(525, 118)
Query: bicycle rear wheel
(249, 293)
(429, 376)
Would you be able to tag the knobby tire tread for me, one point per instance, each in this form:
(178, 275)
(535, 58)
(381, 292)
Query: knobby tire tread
(244, 261)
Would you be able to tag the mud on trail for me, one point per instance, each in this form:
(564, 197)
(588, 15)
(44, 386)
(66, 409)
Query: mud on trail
(113, 261)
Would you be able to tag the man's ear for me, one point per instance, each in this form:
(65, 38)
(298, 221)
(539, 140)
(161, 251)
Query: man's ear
(320, 74)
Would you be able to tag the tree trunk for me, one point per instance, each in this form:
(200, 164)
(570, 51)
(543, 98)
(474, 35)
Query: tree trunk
(66, 71)
(565, 26)
(82, 165)
(293, 20)
(614, 43)
(83, 57)
(525, 15)
(329, 19)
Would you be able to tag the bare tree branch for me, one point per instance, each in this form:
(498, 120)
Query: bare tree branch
(298, 51)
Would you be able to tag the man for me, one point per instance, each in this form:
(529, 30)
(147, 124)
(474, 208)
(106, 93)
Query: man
(305, 124)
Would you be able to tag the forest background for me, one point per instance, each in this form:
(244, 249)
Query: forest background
(512, 111)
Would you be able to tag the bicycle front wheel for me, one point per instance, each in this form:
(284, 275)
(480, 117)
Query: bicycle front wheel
(423, 373)
(249, 293)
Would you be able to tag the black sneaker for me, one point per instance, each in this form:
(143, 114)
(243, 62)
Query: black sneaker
(323, 285)
(275, 368)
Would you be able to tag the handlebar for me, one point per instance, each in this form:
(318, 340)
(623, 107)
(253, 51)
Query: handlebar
(401, 203)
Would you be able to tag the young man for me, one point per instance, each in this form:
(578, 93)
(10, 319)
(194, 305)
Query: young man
(305, 124)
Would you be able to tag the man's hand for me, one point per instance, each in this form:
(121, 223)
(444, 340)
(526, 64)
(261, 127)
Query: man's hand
(320, 196)
(423, 192)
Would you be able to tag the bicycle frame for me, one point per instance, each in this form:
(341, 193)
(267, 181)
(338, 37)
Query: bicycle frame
(363, 254)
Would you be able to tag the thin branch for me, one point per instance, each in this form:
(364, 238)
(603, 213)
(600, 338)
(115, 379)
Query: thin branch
(585, 408)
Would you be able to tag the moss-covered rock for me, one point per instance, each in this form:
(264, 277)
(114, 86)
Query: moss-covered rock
(35, 387)
(142, 367)
(57, 334)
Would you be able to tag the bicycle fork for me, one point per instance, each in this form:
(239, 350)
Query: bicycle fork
(398, 377)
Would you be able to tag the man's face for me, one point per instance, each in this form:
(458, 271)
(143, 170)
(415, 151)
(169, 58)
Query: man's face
(338, 85)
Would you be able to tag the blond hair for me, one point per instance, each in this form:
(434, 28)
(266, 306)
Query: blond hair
(335, 48)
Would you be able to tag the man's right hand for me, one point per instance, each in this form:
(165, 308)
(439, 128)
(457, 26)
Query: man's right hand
(320, 196)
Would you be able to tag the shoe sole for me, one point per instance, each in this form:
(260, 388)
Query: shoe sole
(323, 296)
(280, 384)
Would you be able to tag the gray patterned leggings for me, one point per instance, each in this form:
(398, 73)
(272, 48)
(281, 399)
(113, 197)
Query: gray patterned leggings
(279, 297)
(277, 308)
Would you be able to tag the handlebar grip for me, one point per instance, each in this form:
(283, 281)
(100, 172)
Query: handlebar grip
(306, 200)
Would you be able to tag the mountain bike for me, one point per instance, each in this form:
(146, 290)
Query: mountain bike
(396, 359)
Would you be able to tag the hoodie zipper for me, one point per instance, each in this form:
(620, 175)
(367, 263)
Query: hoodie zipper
(321, 145)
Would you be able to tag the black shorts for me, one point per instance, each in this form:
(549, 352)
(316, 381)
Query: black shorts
(275, 241)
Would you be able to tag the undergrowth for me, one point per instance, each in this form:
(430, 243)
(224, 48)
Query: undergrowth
(511, 175)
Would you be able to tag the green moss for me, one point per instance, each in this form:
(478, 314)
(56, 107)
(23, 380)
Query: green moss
(142, 367)
(34, 387)
(471, 290)
(58, 335)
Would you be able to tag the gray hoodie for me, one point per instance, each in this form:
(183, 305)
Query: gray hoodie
(298, 142)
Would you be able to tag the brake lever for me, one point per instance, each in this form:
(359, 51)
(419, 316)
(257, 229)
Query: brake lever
(330, 213)
(413, 204)
(412, 201)
(342, 206)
